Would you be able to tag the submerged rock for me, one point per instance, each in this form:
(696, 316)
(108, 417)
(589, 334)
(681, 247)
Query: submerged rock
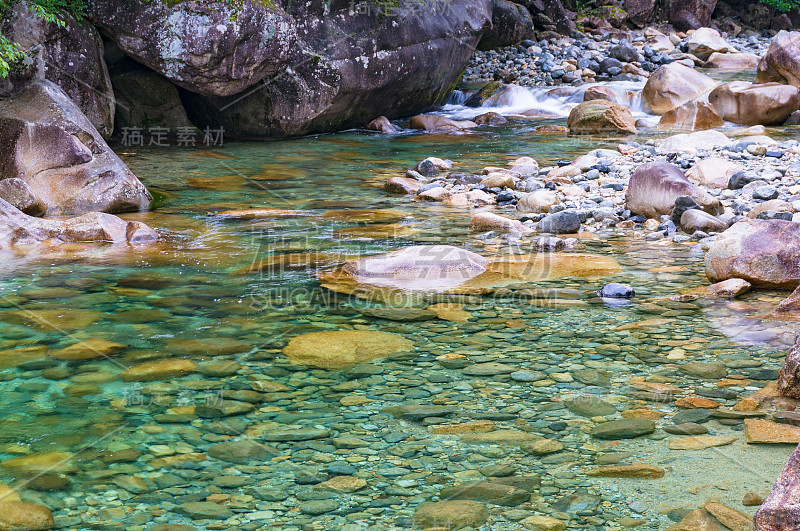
(762, 252)
(24, 516)
(344, 348)
(781, 510)
(48, 143)
(20, 229)
(451, 514)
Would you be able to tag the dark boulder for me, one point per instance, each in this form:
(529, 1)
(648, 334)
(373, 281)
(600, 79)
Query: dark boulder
(146, 99)
(690, 14)
(511, 24)
(71, 56)
(353, 67)
(49, 144)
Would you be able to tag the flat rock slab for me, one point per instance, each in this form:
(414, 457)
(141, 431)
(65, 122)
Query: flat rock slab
(701, 442)
(485, 491)
(759, 431)
(637, 470)
(510, 437)
(624, 429)
(451, 514)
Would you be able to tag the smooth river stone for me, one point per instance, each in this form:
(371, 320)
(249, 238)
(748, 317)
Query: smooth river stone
(52, 320)
(25, 516)
(636, 470)
(39, 463)
(701, 442)
(485, 491)
(624, 429)
(159, 370)
(89, 349)
(344, 348)
(451, 514)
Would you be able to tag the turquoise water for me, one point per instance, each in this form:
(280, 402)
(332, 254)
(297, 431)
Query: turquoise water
(195, 296)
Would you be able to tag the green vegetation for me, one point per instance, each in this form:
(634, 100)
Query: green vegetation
(782, 5)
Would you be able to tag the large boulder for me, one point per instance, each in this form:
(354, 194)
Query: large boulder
(146, 99)
(18, 229)
(511, 24)
(353, 67)
(781, 63)
(673, 85)
(765, 253)
(781, 510)
(71, 56)
(741, 102)
(693, 115)
(601, 116)
(640, 11)
(49, 144)
(706, 41)
(690, 14)
(209, 47)
(654, 187)
(713, 172)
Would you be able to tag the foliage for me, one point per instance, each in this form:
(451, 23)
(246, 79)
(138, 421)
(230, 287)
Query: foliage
(782, 5)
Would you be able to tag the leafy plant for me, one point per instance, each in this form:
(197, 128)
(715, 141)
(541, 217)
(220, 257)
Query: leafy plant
(782, 5)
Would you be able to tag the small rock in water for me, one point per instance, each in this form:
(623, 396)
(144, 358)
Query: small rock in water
(615, 290)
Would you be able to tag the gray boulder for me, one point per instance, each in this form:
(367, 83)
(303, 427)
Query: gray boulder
(49, 144)
(70, 56)
(511, 24)
(654, 187)
(210, 47)
(146, 99)
(353, 67)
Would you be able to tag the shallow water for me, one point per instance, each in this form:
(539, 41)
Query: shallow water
(196, 295)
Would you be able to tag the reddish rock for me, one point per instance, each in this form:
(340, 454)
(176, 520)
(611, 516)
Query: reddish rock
(654, 187)
(600, 116)
(765, 253)
(741, 102)
(781, 63)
